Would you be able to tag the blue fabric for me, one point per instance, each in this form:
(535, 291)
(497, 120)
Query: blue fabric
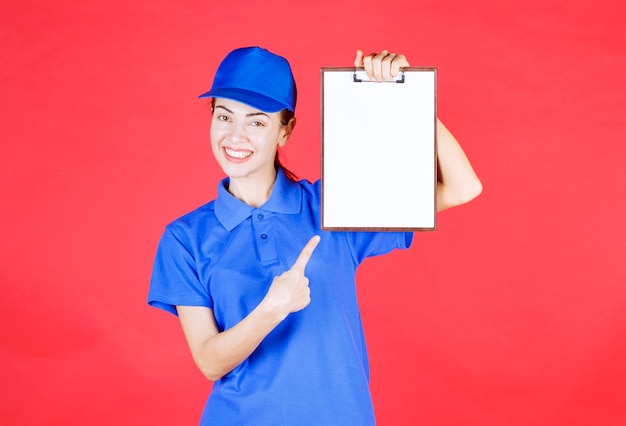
(257, 77)
(313, 368)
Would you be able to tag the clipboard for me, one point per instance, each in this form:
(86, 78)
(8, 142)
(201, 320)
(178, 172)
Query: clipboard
(378, 151)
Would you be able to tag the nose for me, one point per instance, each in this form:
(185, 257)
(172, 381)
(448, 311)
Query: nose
(238, 134)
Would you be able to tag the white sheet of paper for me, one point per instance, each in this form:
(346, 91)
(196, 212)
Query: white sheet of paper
(378, 151)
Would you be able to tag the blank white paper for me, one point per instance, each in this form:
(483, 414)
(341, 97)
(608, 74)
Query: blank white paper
(379, 151)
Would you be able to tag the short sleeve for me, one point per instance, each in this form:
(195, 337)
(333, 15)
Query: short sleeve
(367, 244)
(175, 278)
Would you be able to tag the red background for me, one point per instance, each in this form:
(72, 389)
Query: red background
(512, 313)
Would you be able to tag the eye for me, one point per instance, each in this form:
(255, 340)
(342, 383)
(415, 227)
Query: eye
(257, 124)
(222, 117)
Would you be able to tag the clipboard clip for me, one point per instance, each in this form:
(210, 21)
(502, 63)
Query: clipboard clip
(359, 76)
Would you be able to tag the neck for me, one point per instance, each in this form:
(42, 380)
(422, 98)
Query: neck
(254, 192)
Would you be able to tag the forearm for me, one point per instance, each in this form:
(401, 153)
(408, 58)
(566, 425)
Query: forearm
(458, 182)
(219, 353)
(223, 352)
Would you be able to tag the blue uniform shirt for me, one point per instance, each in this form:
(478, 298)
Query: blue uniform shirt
(312, 369)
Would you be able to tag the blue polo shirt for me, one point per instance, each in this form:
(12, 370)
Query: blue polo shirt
(312, 369)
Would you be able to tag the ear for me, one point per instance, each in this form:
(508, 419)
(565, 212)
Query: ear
(287, 131)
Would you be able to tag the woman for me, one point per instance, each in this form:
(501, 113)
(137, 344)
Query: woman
(267, 301)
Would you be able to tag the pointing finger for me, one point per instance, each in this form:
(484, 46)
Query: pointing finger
(306, 253)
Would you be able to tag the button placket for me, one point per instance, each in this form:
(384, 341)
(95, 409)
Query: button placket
(263, 231)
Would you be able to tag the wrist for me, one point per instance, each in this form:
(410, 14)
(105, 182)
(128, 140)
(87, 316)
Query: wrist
(271, 311)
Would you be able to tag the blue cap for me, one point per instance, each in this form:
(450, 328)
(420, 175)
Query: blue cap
(256, 77)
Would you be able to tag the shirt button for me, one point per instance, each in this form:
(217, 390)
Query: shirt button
(264, 236)
(260, 216)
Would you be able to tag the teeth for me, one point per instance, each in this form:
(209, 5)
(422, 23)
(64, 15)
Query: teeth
(238, 154)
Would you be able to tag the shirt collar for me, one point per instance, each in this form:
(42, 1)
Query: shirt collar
(286, 198)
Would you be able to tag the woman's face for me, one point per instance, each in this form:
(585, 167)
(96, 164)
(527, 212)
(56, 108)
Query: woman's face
(245, 140)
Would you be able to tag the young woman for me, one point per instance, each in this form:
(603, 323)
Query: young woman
(267, 301)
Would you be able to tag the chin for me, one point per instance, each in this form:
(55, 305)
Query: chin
(236, 171)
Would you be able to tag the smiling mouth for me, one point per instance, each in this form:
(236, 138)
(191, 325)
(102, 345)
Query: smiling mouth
(240, 155)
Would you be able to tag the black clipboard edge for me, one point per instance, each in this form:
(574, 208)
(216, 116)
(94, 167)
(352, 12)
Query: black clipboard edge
(356, 79)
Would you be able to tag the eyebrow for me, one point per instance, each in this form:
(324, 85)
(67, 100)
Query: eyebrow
(252, 114)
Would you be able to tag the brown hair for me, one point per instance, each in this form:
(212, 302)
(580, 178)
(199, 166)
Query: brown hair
(285, 117)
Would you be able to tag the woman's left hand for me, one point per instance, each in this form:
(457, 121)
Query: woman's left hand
(383, 66)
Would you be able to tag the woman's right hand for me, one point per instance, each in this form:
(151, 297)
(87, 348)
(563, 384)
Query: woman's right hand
(290, 290)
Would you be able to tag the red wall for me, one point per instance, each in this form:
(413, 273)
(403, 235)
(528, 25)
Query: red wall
(512, 313)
